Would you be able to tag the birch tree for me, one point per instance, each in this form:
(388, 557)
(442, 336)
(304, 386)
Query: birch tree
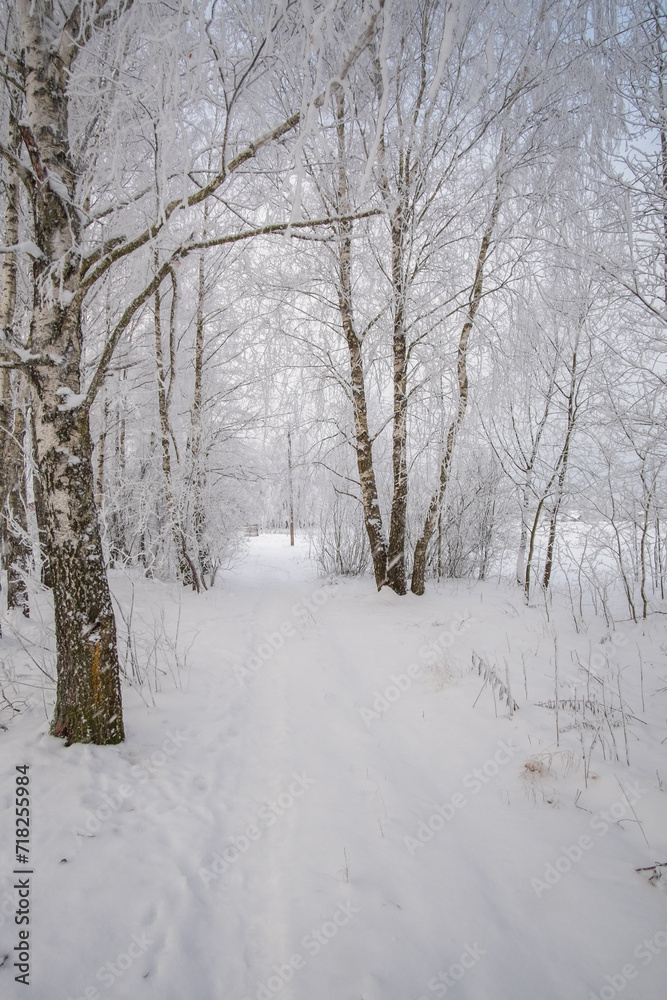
(82, 230)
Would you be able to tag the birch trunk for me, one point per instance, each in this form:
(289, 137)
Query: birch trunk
(15, 515)
(396, 576)
(88, 702)
(197, 473)
(523, 539)
(435, 506)
(186, 568)
(7, 312)
(560, 483)
(363, 445)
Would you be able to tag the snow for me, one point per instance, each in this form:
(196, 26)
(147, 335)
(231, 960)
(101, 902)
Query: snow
(70, 399)
(23, 354)
(265, 831)
(26, 246)
(58, 187)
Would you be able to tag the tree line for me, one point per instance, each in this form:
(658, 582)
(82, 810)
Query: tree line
(424, 243)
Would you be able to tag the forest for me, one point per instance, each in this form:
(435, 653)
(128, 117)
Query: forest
(384, 283)
(400, 270)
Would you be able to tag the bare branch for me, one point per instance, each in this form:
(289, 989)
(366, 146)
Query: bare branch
(276, 227)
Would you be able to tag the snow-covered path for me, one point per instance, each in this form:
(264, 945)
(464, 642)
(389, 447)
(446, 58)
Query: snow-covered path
(271, 828)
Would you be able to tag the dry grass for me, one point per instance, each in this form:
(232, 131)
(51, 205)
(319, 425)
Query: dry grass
(541, 772)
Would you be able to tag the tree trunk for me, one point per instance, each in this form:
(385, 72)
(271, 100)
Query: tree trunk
(396, 577)
(13, 513)
(186, 569)
(290, 487)
(363, 447)
(119, 549)
(523, 539)
(40, 511)
(419, 562)
(658, 560)
(197, 473)
(646, 505)
(88, 703)
(8, 446)
(16, 521)
(371, 504)
(563, 460)
(101, 454)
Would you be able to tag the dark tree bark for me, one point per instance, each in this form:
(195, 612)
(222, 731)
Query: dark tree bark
(40, 512)
(88, 703)
(363, 445)
(555, 486)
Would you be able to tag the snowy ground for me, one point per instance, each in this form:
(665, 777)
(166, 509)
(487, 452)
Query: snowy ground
(351, 819)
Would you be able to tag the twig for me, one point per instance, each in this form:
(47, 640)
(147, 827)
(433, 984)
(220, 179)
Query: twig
(633, 810)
